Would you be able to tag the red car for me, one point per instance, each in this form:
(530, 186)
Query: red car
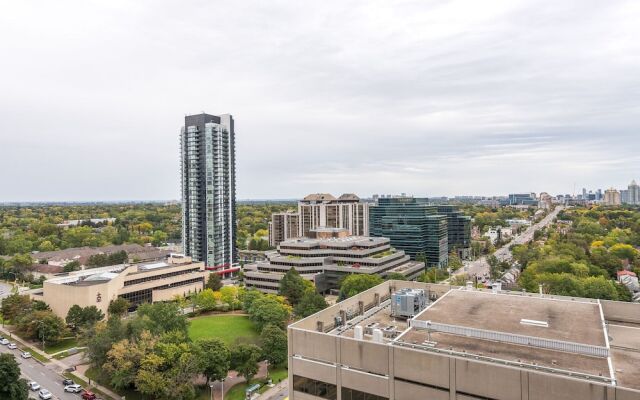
(89, 396)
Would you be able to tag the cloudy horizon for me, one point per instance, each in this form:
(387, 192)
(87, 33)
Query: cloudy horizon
(428, 98)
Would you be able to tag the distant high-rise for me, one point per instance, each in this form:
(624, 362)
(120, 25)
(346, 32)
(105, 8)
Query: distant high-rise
(633, 193)
(611, 197)
(207, 147)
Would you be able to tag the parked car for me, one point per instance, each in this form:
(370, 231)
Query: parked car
(12, 346)
(33, 385)
(73, 388)
(67, 382)
(4, 342)
(44, 394)
(25, 354)
(89, 396)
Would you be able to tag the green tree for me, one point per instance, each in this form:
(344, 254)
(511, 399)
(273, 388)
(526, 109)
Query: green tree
(74, 316)
(357, 283)
(214, 357)
(396, 276)
(274, 344)
(15, 305)
(293, 286)
(311, 303)
(11, 385)
(159, 318)
(454, 261)
(214, 282)
(72, 266)
(247, 297)
(267, 309)
(118, 307)
(206, 300)
(41, 324)
(244, 359)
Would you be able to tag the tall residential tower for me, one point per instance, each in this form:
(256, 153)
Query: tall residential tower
(207, 147)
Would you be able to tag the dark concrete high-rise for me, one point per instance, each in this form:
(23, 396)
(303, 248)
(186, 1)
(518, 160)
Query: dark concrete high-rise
(207, 147)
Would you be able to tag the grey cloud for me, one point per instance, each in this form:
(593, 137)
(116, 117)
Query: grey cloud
(424, 97)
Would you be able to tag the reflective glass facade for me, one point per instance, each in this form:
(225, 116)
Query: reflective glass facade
(208, 189)
(413, 225)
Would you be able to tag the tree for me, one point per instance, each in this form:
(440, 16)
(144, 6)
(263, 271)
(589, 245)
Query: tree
(247, 297)
(15, 305)
(100, 338)
(274, 344)
(159, 318)
(244, 359)
(214, 358)
(206, 300)
(267, 309)
(357, 283)
(311, 303)
(396, 276)
(229, 295)
(74, 316)
(118, 307)
(11, 385)
(292, 286)
(214, 282)
(72, 266)
(454, 261)
(41, 325)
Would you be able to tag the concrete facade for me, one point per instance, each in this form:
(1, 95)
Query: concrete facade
(326, 361)
(328, 257)
(140, 283)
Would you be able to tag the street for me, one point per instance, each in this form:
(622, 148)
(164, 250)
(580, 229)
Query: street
(480, 267)
(32, 370)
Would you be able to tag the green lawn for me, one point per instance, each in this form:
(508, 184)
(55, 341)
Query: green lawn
(227, 327)
(63, 344)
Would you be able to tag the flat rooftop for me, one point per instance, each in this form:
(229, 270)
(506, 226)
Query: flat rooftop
(571, 321)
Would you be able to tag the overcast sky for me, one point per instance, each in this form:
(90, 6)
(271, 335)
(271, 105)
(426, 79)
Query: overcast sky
(423, 97)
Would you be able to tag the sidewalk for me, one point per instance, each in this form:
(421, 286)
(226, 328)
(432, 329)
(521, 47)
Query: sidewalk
(273, 392)
(56, 365)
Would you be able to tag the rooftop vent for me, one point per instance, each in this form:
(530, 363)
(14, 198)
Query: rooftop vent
(533, 322)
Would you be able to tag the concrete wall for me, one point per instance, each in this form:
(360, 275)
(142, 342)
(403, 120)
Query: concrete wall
(618, 311)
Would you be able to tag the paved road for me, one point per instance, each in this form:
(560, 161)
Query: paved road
(5, 290)
(32, 370)
(480, 267)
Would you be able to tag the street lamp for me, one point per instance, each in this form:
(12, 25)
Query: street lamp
(266, 363)
(211, 387)
(222, 389)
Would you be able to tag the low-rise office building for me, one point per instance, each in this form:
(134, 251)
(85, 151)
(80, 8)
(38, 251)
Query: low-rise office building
(138, 283)
(326, 257)
(465, 344)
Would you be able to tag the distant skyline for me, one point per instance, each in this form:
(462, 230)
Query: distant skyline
(429, 98)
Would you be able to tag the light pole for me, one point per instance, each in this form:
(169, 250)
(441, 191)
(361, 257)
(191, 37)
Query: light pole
(211, 387)
(222, 389)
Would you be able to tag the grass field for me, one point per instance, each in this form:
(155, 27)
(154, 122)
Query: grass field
(64, 344)
(227, 327)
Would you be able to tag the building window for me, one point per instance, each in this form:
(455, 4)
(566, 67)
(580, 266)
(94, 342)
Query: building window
(352, 394)
(316, 388)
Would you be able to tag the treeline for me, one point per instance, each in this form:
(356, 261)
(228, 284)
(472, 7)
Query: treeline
(27, 229)
(582, 254)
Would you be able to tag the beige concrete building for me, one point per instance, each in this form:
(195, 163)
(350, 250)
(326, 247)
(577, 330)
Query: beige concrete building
(467, 344)
(323, 210)
(327, 256)
(139, 283)
(611, 197)
(283, 226)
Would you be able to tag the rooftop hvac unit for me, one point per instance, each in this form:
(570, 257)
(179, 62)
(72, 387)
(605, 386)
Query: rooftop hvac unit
(408, 303)
(378, 336)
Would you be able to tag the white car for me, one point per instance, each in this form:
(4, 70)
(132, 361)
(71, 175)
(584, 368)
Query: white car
(34, 386)
(12, 346)
(73, 388)
(4, 341)
(25, 354)
(44, 394)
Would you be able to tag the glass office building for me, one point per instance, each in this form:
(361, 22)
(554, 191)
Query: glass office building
(458, 229)
(209, 189)
(412, 225)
